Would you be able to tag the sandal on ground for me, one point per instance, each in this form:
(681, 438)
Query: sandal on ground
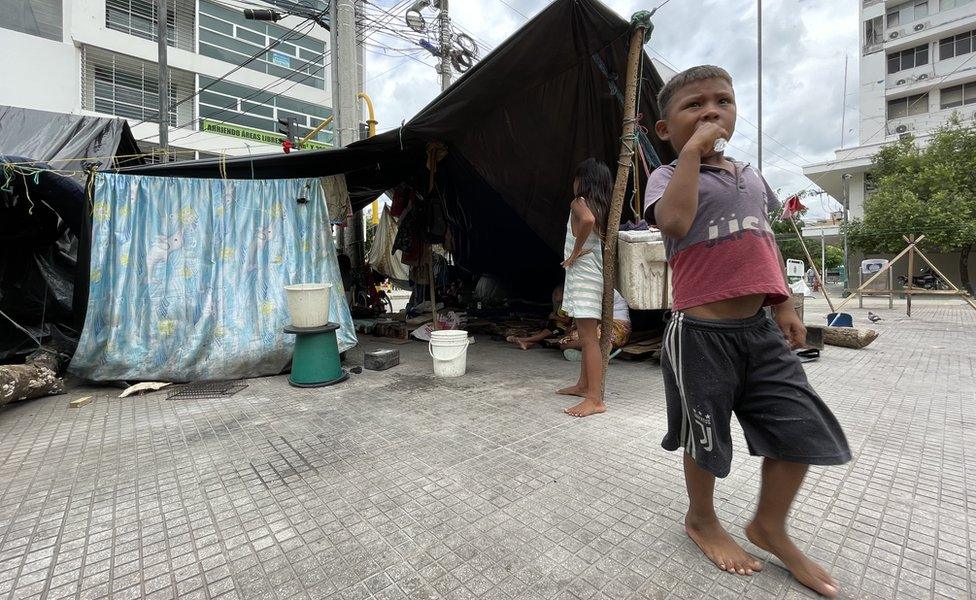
(808, 354)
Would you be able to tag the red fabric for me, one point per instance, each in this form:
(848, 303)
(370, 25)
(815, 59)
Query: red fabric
(793, 208)
(401, 200)
(747, 264)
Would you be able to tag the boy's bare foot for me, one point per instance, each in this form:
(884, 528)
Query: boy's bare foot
(524, 345)
(575, 390)
(803, 569)
(586, 408)
(719, 546)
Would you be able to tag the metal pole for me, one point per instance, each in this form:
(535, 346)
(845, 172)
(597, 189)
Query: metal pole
(445, 66)
(843, 106)
(847, 209)
(336, 143)
(823, 257)
(759, 79)
(163, 82)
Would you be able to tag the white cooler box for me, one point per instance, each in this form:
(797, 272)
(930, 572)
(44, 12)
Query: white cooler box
(643, 277)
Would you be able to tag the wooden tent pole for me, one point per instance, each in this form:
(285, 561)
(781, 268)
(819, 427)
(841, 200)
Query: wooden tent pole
(628, 143)
(813, 265)
(888, 266)
(911, 272)
(433, 299)
(962, 294)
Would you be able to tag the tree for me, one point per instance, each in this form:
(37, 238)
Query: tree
(928, 190)
(789, 245)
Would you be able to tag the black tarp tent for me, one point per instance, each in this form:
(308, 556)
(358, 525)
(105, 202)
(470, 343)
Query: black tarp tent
(42, 219)
(515, 126)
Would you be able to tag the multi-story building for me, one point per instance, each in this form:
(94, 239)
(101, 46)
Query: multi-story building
(917, 67)
(98, 57)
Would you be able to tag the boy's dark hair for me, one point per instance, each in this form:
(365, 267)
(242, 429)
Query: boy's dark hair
(595, 185)
(685, 77)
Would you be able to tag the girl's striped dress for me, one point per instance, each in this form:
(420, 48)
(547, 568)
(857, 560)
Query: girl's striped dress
(583, 290)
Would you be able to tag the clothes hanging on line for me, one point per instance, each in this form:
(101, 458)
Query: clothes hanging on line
(383, 258)
(337, 199)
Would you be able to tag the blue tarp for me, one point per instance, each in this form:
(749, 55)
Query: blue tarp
(188, 276)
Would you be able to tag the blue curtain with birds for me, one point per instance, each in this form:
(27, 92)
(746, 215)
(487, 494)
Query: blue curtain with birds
(187, 276)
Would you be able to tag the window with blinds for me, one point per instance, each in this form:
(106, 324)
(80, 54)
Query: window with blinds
(958, 95)
(35, 17)
(127, 87)
(138, 18)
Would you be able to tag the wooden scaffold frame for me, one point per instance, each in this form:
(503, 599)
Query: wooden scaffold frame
(911, 251)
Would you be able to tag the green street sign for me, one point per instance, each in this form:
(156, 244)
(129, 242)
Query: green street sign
(255, 135)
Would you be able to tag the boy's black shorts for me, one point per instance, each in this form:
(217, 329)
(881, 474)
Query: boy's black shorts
(714, 368)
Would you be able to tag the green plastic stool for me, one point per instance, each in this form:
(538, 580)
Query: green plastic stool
(315, 362)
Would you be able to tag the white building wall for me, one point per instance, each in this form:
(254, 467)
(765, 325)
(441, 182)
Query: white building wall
(48, 74)
(877, 87)
(57, 90)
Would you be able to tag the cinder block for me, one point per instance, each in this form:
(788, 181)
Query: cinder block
(381, 360)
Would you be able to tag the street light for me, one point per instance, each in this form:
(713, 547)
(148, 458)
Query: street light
(266, 14)
(262, 14)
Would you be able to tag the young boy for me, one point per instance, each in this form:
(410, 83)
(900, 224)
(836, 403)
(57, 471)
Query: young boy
(722, 354)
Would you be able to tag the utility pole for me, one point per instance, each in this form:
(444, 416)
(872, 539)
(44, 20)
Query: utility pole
(759, 75)
(345, 106)
(445, 66)
(843, 106)
(162, 66)
(847, 215)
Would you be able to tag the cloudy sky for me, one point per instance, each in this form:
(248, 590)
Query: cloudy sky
(804, 45)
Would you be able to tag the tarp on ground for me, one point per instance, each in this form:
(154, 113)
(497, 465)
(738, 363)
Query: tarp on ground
(516, 125)
(188, 276)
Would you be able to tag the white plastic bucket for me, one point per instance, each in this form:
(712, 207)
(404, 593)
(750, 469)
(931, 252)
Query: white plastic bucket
(449, 349)
(308, 304)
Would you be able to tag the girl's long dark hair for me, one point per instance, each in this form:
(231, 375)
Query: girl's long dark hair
(595, 185)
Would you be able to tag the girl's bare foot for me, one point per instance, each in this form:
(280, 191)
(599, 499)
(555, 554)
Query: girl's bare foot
(576, 390)
(807, 572)
(719, 546)
(586, 408)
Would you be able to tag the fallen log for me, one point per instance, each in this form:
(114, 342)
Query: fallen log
(849, 337)
(36, 378)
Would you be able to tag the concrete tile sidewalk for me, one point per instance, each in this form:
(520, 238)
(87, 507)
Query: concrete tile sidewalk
(396, 485)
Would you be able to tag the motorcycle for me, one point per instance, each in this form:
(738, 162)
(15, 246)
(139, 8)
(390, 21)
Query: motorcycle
(927, 279)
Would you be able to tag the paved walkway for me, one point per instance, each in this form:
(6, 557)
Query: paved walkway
(396, 485)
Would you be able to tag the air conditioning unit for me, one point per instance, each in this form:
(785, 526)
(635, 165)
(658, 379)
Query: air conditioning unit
(904, 136)
(923, 76)
(921, 26)
(894, 35)
(901, 129)
(901, 82)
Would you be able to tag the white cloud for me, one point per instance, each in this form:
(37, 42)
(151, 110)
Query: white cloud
(804, 44)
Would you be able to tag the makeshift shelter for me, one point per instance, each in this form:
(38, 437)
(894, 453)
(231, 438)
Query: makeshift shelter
(515, 126)
(42, 231)
(188, 276)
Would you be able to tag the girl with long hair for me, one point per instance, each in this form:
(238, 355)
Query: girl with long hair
(583, 290)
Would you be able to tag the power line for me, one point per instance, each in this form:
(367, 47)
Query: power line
(283, 38)
(743, 118)
(925, 95)
(515, 9)
(254, 94)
